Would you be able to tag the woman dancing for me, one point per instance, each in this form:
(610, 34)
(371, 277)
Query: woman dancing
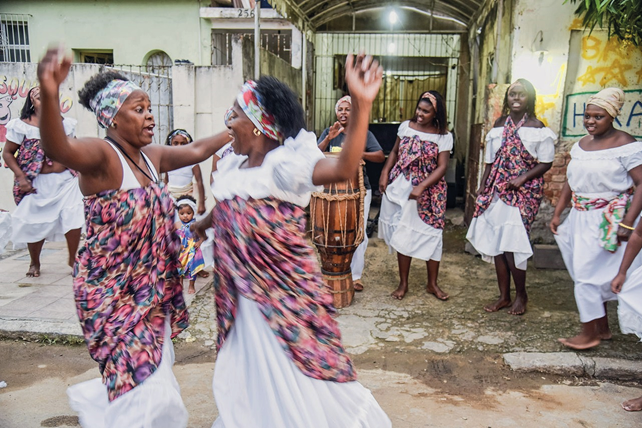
(519, 150)
(126, 283)
(414, 202)
(48, 199)
(281, 362)
(605, 165)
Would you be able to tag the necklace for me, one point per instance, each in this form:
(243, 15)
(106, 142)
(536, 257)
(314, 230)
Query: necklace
(132, 160)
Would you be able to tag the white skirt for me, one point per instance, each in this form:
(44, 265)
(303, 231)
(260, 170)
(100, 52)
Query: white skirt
(5, 229)
(359, 256)
(500, 230)
(54, 210)
(630, 304)
(257, 385)
(401, 227)
(591, 266)
(155, 403)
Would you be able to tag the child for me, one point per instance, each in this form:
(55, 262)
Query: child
(180, 181)
(191, 258)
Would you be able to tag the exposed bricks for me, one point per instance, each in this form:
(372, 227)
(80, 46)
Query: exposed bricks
(555, 177)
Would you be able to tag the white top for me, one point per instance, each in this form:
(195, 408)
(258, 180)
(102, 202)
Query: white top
(181, 177)
(129, 179)
(603, 173)
(220, 151)
(285, 174)
(17, 130)
(444, 141)
(539, 142)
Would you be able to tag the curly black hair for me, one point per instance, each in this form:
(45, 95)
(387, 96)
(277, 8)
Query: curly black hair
(28, 109)
(188, 197)
(532, 98)
(95, 85)
(440, 121)
(283, 103)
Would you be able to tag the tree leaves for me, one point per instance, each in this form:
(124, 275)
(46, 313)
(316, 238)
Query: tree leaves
(622, 18)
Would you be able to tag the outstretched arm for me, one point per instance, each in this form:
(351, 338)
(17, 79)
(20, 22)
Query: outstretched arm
(363, 76)
(73, 153)
(171, 158)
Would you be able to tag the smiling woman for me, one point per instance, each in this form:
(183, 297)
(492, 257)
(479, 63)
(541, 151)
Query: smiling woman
(126, 282)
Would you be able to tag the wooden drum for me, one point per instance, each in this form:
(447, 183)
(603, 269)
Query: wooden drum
(336, 215)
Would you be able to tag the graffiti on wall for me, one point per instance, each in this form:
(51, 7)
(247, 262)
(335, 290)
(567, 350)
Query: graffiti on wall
(604, 63)
(13, 92)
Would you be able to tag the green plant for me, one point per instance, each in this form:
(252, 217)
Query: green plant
(622, 18)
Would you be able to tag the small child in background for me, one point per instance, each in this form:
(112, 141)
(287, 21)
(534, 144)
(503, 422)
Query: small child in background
(191, 257)
(180, 181)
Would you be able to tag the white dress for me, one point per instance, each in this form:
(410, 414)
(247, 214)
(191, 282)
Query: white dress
(255, 383)
(156, 402)
(595, 174)
(500, 229)
(5, 229)
(399, 223)
(56, 207)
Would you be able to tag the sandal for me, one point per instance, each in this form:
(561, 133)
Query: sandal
(358, 285)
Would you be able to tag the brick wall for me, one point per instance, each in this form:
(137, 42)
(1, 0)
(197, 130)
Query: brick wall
(555, 177)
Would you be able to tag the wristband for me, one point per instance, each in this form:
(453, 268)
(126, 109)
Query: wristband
(625, 226)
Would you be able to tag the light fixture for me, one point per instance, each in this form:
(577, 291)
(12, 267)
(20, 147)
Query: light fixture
(393, 17)
(392, 47)
(537, 47)
(389, 73)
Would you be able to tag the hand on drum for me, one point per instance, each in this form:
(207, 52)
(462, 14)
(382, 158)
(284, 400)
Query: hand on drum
(363, 76)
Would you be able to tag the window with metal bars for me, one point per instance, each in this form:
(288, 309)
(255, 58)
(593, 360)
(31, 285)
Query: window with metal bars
(14, 38)
(278, 42)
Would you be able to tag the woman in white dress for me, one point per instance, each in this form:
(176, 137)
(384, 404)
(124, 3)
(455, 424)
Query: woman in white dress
(412, 183)
(127, 289)
(604, 168)
(519, 150)
(48, 199)
(280, 361)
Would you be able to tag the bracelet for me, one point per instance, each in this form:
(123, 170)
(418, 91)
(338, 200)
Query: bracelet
(625, 226)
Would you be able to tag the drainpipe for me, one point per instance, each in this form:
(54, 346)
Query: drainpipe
(500, 12)
(257, 40)
(304, 72)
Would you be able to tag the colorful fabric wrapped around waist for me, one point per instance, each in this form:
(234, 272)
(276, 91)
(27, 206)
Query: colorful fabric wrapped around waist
(613, 212)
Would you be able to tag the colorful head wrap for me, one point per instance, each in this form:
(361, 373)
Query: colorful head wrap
(187, 202)
(249, 101)
(431, 98)
(346, 99)
(176, 132)
(610, 99)
(110, 99)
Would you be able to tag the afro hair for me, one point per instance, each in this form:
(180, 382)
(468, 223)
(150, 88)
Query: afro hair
(95, 85)
(283, 103)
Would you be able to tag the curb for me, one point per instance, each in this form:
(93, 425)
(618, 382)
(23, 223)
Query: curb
(573, 364)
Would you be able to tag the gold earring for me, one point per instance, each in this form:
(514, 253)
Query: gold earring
(113, 125)
(256, 132)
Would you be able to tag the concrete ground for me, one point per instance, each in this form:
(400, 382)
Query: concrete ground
(429, 363)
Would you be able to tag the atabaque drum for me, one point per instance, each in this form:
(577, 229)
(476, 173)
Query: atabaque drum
(336, 216)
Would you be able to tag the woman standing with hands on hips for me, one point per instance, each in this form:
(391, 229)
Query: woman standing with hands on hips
(127, 288)
(519, 150)
(412, 183)
(604, 168)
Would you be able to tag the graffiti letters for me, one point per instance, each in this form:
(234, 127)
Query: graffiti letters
(629, 120)
(610, 62)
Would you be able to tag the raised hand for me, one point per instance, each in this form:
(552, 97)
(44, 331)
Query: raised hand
(363, 76)
(335, 130)
(53, 69)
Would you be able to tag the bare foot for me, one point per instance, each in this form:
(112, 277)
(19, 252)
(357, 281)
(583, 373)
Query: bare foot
(400, 292)
(34, 271)
(605, 336)
(634, 405)
(437, 292)
(191, 289)
(496, 306)
(358, 285)
(518, 307)
(580, 342)
(203, 274)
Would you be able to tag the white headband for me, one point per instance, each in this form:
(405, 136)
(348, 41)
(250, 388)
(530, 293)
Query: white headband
(187, 202)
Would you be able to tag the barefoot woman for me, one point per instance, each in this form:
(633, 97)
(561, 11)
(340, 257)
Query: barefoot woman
(126, 284)
(280, 360)
(519, 150)
(605, 165)
(414, 192)
(46, 192)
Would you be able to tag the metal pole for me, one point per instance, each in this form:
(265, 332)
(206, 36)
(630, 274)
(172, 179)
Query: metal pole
(257, 39)
(304, 72)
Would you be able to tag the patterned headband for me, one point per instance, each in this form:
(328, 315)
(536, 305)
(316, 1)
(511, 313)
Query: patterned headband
(249, 101)
(176, 132)
(187, 202)
(110, 99)
(346, 99)
(431, 98)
